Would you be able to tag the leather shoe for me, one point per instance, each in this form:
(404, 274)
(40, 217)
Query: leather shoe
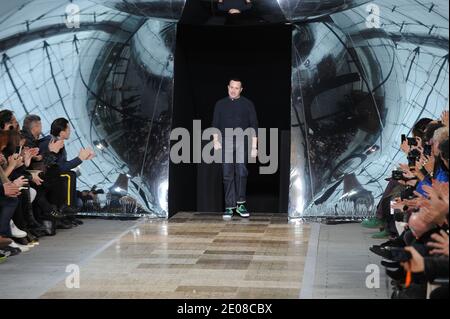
(13, 251)
(5, 242)
(50, 229)
(69, 211)
(381, 251)
(63, 225)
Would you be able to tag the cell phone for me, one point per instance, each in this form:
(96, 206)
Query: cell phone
(412, 141)
(412, 162)
(400, 254)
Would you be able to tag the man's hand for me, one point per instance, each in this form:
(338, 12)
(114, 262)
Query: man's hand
(15, 161)
(86, 154)
(11, 189)
(440, 244)
(234, 11)
(405, 147)
(416, 264)
(55, 146)
(21, 182)
(444, 118)
(217, 144)
(36, 179)
(92, 154)
(28, 154)
(438, 201)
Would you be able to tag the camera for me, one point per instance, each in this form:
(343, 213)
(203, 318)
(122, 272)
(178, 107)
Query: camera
(407, 193)
(400, 254)
(412, 141)
(398, 175)
(413, 157)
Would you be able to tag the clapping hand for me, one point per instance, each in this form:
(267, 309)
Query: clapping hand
(439, 243)
(15, 161)
(55, 146)
(11, 189)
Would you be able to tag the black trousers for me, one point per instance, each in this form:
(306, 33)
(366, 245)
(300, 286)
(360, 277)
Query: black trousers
(7, 208)
(235, 173)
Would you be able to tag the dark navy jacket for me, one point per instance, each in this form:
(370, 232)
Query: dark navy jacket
(238, 113)
(60, 158)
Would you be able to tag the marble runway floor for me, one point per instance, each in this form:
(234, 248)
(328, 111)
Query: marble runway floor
(198, 255)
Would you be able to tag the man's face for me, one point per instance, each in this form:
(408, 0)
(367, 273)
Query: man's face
(234, 89)
(65, 135)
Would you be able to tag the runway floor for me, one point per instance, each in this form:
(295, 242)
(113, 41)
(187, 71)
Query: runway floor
(197, 255)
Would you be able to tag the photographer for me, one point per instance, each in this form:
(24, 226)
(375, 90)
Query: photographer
(401, 179)
(429, 166)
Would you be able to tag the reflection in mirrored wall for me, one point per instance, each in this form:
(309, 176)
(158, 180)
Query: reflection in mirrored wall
(361, 78)
(112, 77)
(363, 72)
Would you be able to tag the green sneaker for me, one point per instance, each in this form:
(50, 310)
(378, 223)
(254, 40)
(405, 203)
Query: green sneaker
(242, 210)
(381, 235)
(228, 213)
(2, 258)
(372, 223)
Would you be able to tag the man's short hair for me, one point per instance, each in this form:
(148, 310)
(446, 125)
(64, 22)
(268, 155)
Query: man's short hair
(443, 148)
(29, 120)
(237, 80)
(58, 126)
(5, 117)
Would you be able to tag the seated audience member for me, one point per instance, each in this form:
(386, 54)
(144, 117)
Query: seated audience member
(425, 209)
(59, 133)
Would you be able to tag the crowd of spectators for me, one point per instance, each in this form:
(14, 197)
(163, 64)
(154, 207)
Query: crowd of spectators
(37, 195)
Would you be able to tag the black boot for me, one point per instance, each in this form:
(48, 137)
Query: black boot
(28, 212)
(69, 211)
(50, 229)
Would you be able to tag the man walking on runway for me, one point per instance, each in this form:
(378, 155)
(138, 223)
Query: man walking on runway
(235, 112)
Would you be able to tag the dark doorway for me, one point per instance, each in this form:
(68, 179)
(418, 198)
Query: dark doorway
(206, 58)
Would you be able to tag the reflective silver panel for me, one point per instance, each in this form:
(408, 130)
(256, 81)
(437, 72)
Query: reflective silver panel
(360, 82)
(129, 102)
(159, 9)
(301, 10)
